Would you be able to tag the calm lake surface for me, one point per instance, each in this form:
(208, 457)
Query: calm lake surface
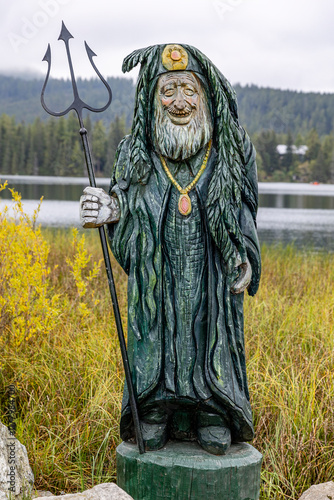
(299, 213)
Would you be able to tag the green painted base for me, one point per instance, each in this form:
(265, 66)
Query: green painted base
(183, 471)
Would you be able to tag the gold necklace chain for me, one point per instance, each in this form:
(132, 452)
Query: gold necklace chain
(198, 175)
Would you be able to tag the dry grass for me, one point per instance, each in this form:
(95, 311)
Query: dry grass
(290, 367)
(70, 383)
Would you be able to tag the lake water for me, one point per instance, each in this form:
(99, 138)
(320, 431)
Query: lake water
(299, 213)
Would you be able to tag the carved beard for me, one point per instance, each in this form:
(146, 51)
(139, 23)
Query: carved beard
(181, 141)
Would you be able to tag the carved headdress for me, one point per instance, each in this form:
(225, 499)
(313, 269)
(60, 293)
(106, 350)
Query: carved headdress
(229, 183)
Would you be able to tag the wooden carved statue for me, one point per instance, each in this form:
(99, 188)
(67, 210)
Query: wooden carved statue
(181, 219)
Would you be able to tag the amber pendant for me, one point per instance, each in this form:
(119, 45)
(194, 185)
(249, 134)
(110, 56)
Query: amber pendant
(184, 204)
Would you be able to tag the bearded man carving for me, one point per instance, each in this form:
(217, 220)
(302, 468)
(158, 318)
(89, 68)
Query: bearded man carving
(181, 219)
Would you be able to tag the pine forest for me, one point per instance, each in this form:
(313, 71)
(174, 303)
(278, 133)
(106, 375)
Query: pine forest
(32, 143)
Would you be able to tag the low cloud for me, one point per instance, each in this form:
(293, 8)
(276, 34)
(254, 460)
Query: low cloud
(280, 44)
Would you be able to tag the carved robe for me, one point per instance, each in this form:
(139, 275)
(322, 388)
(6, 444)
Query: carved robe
(185, 327)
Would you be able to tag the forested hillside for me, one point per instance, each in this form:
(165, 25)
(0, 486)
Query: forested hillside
(259, 108)
(21, 98)
(285, 110)
(33, 143)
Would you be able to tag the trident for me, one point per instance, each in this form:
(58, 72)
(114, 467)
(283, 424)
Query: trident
(78, 105)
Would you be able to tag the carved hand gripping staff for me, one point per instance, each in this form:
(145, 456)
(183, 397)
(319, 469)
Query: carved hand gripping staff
(78, 105)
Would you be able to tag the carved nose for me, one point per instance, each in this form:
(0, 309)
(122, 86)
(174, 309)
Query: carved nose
(179, 101)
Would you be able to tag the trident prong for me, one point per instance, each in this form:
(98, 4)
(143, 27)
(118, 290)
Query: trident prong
(78, 105)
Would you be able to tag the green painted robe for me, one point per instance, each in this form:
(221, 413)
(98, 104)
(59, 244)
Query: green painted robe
(212, 373)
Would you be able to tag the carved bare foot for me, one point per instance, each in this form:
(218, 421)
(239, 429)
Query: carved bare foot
(154, 435)
(214, 439)
(213, 433)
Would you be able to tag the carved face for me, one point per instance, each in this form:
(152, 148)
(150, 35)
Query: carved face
(179, 95)
(182, 120)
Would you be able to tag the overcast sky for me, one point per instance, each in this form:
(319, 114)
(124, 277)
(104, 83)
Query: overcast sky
(286, 44)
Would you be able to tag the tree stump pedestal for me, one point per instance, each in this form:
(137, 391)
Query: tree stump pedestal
(184, 471)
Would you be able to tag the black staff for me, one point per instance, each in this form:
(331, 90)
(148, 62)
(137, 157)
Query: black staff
(78, 105)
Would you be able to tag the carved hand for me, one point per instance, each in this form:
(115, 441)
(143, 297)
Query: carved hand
(244, 278)
(98, 208)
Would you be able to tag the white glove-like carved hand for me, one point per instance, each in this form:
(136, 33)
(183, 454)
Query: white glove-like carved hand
(98, 208)
(244, 278)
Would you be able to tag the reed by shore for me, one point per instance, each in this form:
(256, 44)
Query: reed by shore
(69, 380)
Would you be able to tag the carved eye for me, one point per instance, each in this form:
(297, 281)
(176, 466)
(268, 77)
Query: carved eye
(189, 91)
(169, 92)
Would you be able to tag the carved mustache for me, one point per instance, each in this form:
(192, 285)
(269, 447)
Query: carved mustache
(180, 112)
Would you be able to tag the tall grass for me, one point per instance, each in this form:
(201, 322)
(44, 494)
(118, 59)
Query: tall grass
(289, 331)
(70, 382)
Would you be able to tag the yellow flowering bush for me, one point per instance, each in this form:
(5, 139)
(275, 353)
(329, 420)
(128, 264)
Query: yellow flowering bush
(28, 306)
(78, 266)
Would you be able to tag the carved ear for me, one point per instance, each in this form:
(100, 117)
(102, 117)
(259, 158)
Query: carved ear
(139, 57)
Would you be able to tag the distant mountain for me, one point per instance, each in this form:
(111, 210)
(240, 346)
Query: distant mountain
(21, 98)
(259, 108)
(285, 110)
